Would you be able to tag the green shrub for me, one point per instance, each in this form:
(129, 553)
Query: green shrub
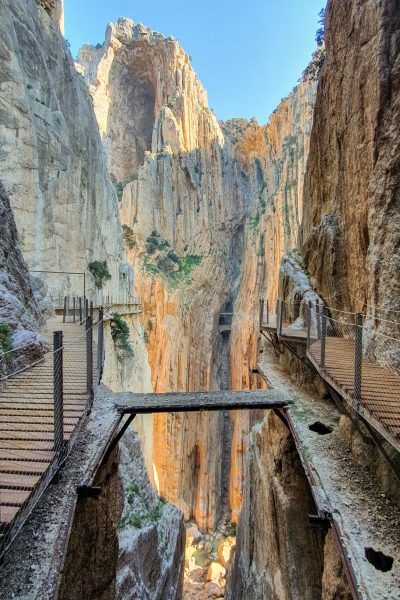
(129, 236)
(100, 272)
(120, 333)
(131, 521)
(5, 339)
(255, 221)
(132, 490)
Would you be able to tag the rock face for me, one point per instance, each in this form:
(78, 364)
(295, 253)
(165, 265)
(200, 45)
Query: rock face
(351, 216)
(278, 555)
(151, 537)
(276, 158)
(187, 186)
(52, 160)
(93, 540)
(183, 203)
(22, 305)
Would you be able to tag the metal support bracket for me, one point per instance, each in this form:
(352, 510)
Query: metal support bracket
(119, 435)
(88, 491)
(319, 522)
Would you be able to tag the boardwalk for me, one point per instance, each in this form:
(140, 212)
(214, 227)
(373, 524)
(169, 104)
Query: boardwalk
(380, 387)
(27, 419)
(289, 333)
(378, 401)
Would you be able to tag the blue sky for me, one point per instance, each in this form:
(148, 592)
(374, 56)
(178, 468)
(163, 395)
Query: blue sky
(248, 53)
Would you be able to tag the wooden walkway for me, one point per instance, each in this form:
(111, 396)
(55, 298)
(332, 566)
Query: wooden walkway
(289, 332)
(27, 419)
(380, 387)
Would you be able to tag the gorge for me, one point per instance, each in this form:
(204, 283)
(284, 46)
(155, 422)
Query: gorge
(115, 158)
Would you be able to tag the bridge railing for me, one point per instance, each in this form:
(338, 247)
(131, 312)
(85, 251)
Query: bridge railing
(49, 436)
(322, 327)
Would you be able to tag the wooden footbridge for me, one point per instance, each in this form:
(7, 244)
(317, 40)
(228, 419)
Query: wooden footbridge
(333, 343)
(43, 408)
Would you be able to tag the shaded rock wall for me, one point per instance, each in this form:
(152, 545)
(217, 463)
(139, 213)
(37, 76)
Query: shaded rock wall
(351, 223)
(91, 560)
(278, 555)
(22, 305)
(52, 160)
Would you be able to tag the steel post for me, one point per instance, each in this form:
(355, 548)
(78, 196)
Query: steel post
(58, 394)
(358, 352)
(100, 345)
(89, 360)
(323, 337)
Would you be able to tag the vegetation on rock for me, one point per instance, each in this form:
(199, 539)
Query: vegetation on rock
(166, 263)
(100, 272)
(120, 333)
(129, 236)
(138, 514)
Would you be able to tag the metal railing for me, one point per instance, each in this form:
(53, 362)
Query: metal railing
(48, 422)
(322, 327)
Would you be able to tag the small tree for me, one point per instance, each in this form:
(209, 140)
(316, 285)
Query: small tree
(320, 34)
(120, 333)
(100, 272)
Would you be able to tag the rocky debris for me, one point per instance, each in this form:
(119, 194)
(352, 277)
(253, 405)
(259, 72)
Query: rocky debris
(206, 563)
(193, 536)
(213, 590)
(216, 572)
(226, 547)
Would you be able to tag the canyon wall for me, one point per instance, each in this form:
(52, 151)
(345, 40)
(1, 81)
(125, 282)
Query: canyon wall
(208, 209)
(275, 155)
(351, 214)
(22, 304)
(52, 161)
(183, 200)
(278, 555)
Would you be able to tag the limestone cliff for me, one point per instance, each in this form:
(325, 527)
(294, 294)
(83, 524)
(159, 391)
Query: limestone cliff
(275, 156)
(52, 160)
(182, 206)
(278, 555)
(205, 205)
(351, 222)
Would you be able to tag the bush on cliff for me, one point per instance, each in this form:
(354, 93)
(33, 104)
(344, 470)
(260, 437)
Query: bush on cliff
(100, 272)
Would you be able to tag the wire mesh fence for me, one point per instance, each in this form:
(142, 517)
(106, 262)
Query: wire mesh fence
(42, 408)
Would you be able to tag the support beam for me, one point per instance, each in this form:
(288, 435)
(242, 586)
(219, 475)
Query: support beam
(194, 401)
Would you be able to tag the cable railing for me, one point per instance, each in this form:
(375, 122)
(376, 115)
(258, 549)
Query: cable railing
(42, 408)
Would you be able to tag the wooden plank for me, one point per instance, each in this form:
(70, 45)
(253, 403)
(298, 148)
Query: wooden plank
(194, 401)
(7, 513)
(13, 497)
(23, 466)
(10, 480)
(27, 445)
(34, 455)
(18, 427)
(40, 436)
